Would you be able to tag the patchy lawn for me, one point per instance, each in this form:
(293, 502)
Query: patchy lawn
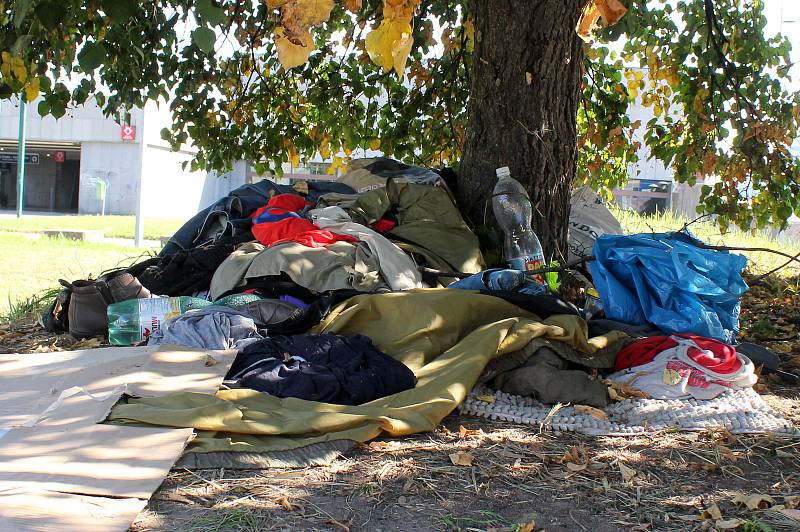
(29, 266)
(112, 226)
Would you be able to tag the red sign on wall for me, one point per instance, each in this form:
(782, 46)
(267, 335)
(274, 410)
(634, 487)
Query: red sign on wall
(128, 132)
(59, 156)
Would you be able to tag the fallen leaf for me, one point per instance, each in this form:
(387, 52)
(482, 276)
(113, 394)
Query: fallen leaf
(793, 363)
(210, 361)
(576, 467)
(592, 411)
(527, 527)
(462, 459)
(627, 473)
(780, 453)
(712, 512)
(486, 398)
(791, 514)
(728, 524)
(283, 501)
(464, 432)
(87, 343)
(528, 77)
(791, 501)
(755, 501)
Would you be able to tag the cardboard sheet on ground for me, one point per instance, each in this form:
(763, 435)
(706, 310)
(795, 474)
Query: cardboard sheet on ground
(445, 336)
(53, 452)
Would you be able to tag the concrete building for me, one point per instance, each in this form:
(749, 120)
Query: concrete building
(85, 162)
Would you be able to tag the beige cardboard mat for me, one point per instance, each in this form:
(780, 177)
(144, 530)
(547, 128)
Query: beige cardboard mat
(58, 465)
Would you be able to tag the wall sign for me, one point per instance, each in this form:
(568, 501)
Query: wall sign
(13, 158)
(59, 156)
(128, 132)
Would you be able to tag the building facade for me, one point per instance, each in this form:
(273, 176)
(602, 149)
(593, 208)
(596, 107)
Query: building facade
(87, 163)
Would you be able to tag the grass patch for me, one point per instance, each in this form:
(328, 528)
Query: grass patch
(239, 519)
(760, 262)
(112, 226)
(30, 266)
(24, 308)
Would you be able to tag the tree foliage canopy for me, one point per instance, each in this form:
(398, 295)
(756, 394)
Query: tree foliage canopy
(276, 80)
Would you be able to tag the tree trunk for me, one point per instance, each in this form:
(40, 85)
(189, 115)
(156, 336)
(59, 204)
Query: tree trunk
(522, 110)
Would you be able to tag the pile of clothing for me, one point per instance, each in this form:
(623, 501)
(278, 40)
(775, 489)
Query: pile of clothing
(326, 291)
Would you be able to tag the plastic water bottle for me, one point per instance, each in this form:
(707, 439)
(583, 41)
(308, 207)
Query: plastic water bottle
(134, 320)
(513, 211)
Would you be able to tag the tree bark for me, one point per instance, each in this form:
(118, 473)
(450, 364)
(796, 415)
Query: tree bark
(522, 110)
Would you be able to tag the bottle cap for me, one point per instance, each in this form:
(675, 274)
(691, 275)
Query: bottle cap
(503, 172)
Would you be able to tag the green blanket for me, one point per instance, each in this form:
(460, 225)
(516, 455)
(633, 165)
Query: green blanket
(445, 336)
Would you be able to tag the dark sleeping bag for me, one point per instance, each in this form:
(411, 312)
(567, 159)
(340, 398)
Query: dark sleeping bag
(320, 367)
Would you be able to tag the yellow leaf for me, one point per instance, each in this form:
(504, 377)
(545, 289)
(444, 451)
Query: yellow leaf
(400, 50)
(294, 157)
(469, 33)
(353, 5)
(399, 9)
(291, 54)
(592, 411)
(755, 501)
(299, 15)
(6, 57)
(374, 144)
(337, 162)
(20, 72)
(388, 46)
(32, 91)
(276, 3)
(486, 398)
(325, 147)
(5, 68)
(462, 459)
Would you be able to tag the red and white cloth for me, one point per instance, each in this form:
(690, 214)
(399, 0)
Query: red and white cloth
(683, 366)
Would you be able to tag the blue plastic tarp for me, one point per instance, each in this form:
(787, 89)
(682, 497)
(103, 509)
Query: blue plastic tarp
(668, 280)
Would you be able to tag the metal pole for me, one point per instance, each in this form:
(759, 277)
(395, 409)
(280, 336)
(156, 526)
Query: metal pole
(21, 156)
(138, 239)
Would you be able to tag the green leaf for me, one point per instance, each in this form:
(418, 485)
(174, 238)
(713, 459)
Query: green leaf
(58, 109)
(120, 10)
(100, 98)
(50, 14)
(91, 56)
(212, 14)
(204, 38)
(43, 108)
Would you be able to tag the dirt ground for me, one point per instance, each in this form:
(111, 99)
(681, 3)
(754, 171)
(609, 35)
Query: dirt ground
(514, 478)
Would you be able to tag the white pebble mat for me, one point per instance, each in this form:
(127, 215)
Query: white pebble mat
(740, 411)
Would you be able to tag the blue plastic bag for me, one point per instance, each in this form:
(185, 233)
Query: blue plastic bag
(669, 281)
